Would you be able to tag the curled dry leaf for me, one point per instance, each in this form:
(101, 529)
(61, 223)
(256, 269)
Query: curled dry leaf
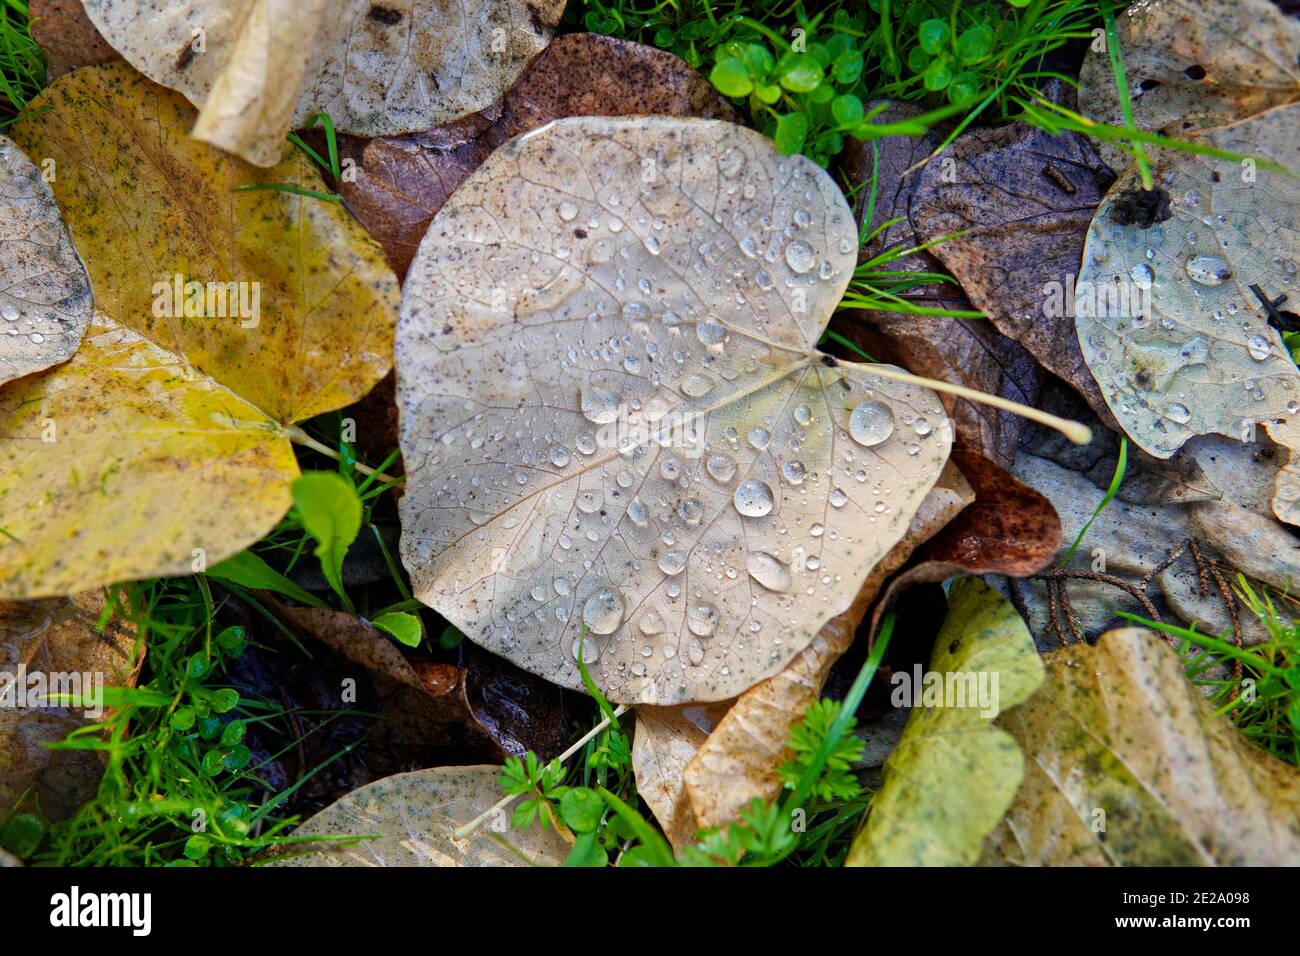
(45, 304)
(962, 351)
(1023, 200)
(614, 415)
(401, 182)
(742, 757)
(666, 740)
(1194, 64)
(953, 774)
(1117, 734)
(163, 442)
(412, 817)
(55, 639)
(257, 68)
(1200, 356)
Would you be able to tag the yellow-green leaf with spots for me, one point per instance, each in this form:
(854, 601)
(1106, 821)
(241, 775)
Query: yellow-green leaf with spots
(953, 773)
(225, 317)
(1127, 765)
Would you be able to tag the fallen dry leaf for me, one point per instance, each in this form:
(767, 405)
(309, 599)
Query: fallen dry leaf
(666, 740)
(1125, 764)
(646, 296)
(164, 442)
(1023, 200)
(1194, 64)
(1201, 357)
(742, 757)
(413, 816)
(45, 304)
(266, 66)
(484, 703)
(401, 182)
(953, 774)
(962, 351)
(67, 36)
(55, 639)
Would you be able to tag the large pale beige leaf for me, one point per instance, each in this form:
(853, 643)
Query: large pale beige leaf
(411, 817)
(267, 66)
(1203, 358)
(44, 291)
(953, 773)
(1126, 765)
(53, 647)
(614, 413)
(1193, 64)
(742, 757)
(165, 443)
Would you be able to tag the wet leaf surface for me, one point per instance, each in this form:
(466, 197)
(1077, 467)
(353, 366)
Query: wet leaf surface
(1125, 765)
(45, 304)
(540, 498)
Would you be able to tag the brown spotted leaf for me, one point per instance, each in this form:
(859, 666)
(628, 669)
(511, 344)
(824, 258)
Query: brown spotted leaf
(401, 182)
(614, 413)
(1127, 765)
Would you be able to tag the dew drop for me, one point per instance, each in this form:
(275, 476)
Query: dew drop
(1179, 413)
(753, 498)
(568, 210)
(599, 405)
(1259, 348)
(768, 571)
(1208, 270)
(702, 619)
(672, 562)
(799, 256)
(794, 472)
(603, 611)
(696, 385)
(559, 456)
(720, 467)
(871, 423)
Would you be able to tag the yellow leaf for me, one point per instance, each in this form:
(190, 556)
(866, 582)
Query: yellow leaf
(163, 446)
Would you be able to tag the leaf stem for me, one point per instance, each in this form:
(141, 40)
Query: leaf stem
(469, 829)
(1077, 432)
(300, 437)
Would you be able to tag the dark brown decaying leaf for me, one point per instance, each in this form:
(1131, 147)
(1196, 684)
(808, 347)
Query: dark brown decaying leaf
(1118, 736)
(485, 704)
(1024, 200)
(67, 36)
(963, 351)
(402, 181)
(1009, 529)
(50, 638)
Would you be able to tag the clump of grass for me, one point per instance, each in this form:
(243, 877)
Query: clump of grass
(22, 62)
(1264, 701)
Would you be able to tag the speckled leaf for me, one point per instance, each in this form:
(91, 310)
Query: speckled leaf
(613, 411)
(1125, 764)
(48, 638)
(954, 774)
(412, 816)
(1193, 64)
(122, 462)
(165, 442)
(45, 300)
(377, 68)
(742, 757)
(1203, 358)
(401, 182)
